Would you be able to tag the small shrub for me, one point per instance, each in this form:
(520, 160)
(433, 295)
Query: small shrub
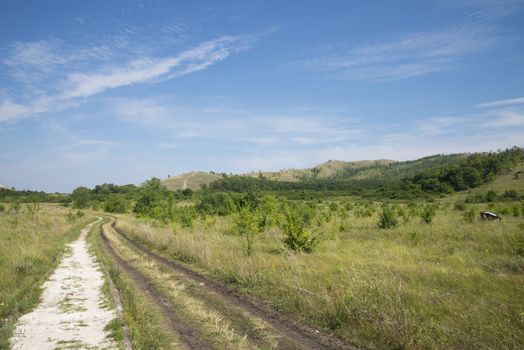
(460, 206)
(428, 213)
(15, 207)
(2, 208)
(469, 215)
(296, 237)
(247, 226)
(387, 218)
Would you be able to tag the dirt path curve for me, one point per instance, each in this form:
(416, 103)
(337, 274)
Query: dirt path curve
(292, 333)
(71, 313)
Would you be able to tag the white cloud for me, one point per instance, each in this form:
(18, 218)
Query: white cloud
(503, 103)
(506, 119)
(146, 69)
(65, 76)
(411, 55)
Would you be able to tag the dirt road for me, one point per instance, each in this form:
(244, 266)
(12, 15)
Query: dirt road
(255, 324)
(72, 312)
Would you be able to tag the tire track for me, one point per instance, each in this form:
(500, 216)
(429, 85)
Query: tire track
(292, 334)
(187, 336)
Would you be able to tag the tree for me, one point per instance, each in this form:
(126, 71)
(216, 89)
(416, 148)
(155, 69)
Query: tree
(247, 226)
(81, 197)
(296, 237)
(149, 195)
(116, 204)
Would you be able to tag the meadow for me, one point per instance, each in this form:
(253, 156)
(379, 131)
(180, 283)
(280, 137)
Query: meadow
(32, 240)
(455, 282)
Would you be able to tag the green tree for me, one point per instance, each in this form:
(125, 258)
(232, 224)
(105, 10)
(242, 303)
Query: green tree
(116, 204)
(81, 197)
(247, 225)
(296, 237)
(149, 196)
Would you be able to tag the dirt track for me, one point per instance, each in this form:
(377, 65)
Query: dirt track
(291, 335)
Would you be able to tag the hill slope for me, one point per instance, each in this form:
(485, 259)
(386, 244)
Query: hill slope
(193, 180)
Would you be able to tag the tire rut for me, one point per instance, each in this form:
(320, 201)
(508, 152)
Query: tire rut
(186, 334)
(292, 333)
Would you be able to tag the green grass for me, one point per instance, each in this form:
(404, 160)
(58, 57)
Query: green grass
(447, 285)
(144, 323)
(31, 244)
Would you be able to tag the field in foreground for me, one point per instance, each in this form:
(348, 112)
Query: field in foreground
(455, 283)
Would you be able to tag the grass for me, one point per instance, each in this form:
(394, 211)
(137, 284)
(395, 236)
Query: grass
(144, 323)
(32, 240)
(192, 180)
(445, 285)
(199, 311)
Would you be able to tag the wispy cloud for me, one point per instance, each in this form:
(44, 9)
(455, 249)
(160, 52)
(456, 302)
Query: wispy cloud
(52, 76)
(147, 69)
(503, 103)
(236, 124)
(424, 52)
(507, 119)
(411, 55)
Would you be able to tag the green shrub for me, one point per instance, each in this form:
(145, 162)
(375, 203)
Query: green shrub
(428, 213)
(469, 215)
(116, 204)
(387, 218)
(247, 226)
(460, 206)
(296, 237)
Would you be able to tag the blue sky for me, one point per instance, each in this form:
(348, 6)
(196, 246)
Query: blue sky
(119, 91)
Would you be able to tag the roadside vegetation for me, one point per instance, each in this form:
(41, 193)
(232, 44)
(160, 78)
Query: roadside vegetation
(449, 282)
(386, 255)
(32, 240)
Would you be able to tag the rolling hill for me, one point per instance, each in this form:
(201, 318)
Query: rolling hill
(193, 180)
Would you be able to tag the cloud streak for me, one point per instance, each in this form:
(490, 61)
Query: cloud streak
(411, 55)
(50, 90)
(503, 103)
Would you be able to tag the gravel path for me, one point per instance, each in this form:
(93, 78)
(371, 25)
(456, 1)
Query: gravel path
(71, 313)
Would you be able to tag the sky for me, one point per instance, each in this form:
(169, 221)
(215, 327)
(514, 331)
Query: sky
(121, 91)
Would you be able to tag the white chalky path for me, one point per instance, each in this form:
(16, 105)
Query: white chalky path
(71, 313)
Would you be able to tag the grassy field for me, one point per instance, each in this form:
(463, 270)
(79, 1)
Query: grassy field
(455, 283)
(32, 239)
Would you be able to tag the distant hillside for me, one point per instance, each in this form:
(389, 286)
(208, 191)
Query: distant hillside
(509, 181)
(321, 171)
(193, 180)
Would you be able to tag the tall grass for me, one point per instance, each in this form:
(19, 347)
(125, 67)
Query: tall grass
(32, 239)
(448, 284)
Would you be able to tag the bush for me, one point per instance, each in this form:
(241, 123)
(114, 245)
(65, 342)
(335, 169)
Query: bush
(81, 197)
(116, 204)
(296, 237)
(387, 218)
(460, 206)
(469, 215)
(247, 226)
(428, 213)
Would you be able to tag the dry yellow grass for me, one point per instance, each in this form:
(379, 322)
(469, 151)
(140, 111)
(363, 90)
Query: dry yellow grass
(446, 285)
